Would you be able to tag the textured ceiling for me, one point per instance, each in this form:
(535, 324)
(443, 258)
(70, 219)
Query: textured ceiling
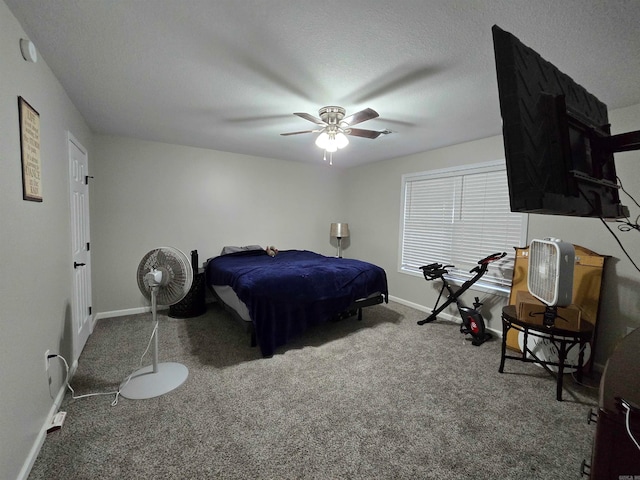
(228, 74)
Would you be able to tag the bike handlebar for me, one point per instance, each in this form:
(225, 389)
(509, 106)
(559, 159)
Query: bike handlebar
(437, 270)
(434, 270)
(492, 258)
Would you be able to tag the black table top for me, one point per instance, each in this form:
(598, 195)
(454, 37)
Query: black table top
(579, 328)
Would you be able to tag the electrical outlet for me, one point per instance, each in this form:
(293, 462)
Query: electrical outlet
(46, 361)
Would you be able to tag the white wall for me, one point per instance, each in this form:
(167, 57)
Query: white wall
(374, 200)
(374, 195)
(35, 250)
(147, 195)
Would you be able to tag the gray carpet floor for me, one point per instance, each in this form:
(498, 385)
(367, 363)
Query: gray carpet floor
(382, 398)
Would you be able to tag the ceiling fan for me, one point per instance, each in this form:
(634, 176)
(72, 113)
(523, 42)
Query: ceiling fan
(335, 127)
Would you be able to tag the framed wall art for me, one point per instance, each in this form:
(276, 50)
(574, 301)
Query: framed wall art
(30, 151)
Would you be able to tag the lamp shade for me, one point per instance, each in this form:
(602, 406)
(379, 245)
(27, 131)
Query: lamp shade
(322, 140)
(332, 140)
(341, 140)
(340, 230)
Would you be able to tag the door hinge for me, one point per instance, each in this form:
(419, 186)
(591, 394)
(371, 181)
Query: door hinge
(89, 310)
(86, 179)
(88, 246)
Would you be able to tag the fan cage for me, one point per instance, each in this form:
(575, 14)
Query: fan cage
(550, 274)
(176, 269)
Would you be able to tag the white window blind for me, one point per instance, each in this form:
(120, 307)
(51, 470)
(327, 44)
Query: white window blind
(458, 216)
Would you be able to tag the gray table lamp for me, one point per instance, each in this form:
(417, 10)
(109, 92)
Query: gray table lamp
(339, 231)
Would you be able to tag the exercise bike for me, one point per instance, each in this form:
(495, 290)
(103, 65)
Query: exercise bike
(472, 322)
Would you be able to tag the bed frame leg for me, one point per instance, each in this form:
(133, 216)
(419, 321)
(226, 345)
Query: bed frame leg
(359, 314)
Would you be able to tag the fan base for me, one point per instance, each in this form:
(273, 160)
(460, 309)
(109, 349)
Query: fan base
(144, 383)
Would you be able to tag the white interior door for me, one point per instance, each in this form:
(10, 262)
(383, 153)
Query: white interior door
(81, 246)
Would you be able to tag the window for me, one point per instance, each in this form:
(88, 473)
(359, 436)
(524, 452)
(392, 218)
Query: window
(457, 216)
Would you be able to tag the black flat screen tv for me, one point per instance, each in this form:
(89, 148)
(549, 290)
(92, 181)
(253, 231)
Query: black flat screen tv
(558, 146)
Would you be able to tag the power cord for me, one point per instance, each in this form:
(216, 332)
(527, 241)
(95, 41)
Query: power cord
(629, 224)
(154, 332)
(627, 193)
(73, 393)
(627, 407)
(626, 226)
(116, 393)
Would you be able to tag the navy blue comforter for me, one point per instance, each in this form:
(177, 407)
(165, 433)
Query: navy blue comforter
(294, 290)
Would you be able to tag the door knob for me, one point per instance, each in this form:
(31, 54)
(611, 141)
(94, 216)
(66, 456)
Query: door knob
(76, 265)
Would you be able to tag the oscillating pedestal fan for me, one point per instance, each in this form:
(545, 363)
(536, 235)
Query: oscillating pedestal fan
(164, 277)
(550, 277)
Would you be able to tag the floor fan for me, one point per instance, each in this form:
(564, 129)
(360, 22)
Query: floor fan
(550, 276)
(164, 277)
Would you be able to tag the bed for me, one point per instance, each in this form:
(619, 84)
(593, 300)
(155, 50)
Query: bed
(279, 297)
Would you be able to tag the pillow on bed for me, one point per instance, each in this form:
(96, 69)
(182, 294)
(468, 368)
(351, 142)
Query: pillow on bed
(226, 250)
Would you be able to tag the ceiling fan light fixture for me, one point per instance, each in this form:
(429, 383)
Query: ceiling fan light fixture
(322, 140)
(327, 141)
(331, 146)
(335, 128)
(332, 141)
(341, 140)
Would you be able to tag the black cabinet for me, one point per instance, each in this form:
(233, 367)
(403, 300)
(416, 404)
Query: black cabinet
(615, 454)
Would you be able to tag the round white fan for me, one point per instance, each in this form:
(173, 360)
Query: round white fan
(164, 277)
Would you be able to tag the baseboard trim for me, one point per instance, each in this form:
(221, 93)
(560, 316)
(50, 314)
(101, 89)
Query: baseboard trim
(407, 303)
(444, 315)
(133, 311)
(122, 313)
(42, 435)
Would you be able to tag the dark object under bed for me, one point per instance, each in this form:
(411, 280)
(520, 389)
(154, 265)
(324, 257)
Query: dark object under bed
(296, 289)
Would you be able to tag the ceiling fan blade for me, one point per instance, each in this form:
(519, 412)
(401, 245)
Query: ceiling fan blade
(360, 132)
(311, 118)
(359, 117)
(303, 131)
